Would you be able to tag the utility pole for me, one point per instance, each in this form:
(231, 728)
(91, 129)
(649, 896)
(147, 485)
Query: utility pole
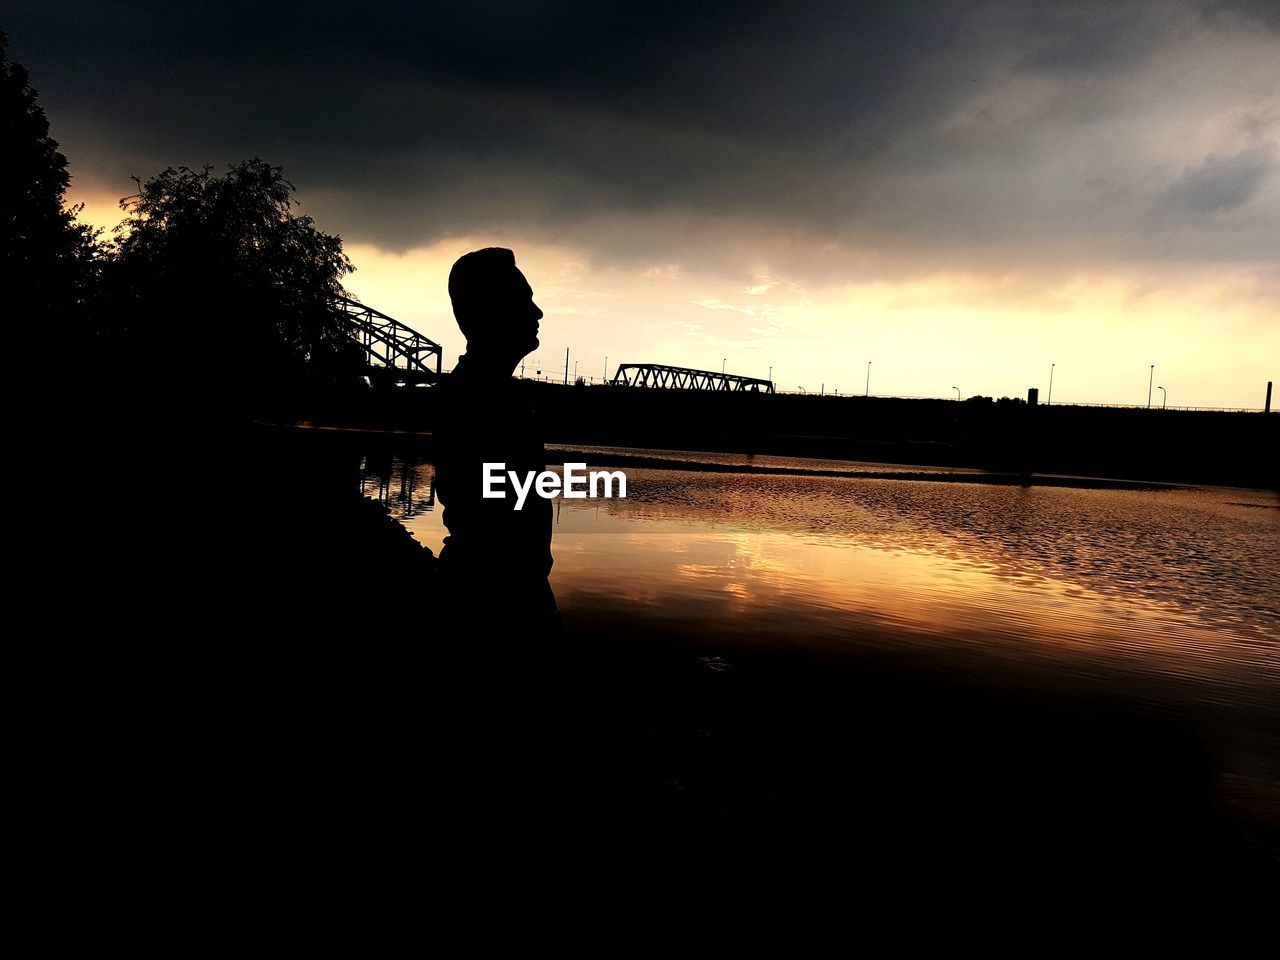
(566, 366)
(1051, 366)
(1150, 380)
(868, 393)
(606, 368)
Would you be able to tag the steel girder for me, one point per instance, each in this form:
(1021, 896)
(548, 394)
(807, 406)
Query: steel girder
(390, 343)
(685, 378)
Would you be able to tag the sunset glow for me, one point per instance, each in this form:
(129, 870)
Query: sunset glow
(961, 195)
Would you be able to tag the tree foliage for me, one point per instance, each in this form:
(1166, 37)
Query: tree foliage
(210, 280)
(223, 261)
(48, 257)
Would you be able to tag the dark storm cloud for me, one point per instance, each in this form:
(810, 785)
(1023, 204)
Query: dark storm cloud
(1223, 183)
(1093, 38)
(936, 129)
(1266, 12)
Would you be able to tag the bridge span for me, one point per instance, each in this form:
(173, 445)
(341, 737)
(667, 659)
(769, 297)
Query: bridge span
(393, 348)
(398, 352)
(685, 378)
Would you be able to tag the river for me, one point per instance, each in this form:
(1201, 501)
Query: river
(1164, 597)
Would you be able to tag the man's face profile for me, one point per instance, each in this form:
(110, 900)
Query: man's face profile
(525, 313)
(493, 303)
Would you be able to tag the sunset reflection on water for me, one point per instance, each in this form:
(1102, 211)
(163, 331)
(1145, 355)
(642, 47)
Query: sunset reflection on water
(1176, 586)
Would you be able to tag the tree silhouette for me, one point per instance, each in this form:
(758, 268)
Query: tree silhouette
(48, 256)
(218, 272)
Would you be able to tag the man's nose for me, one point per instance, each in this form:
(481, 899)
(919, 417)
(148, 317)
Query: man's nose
(537, 312)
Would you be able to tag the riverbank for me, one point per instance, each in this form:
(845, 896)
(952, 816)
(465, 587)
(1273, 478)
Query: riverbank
(1002, 436)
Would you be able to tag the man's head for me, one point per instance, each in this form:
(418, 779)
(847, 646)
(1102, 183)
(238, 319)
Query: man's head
(493, 304)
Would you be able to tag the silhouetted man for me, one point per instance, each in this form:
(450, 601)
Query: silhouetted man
(496, 559)
(494, 695)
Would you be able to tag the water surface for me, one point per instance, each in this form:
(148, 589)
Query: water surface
(1165, 596)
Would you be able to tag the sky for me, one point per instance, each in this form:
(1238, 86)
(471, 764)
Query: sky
(962, 195)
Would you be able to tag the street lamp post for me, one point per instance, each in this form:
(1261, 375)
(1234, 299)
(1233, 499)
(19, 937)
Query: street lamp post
(1150, 380)
(606, 368)
(957, 390)
(1051, 366)
(722, 363)
(1165, 401)
(868, 393)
